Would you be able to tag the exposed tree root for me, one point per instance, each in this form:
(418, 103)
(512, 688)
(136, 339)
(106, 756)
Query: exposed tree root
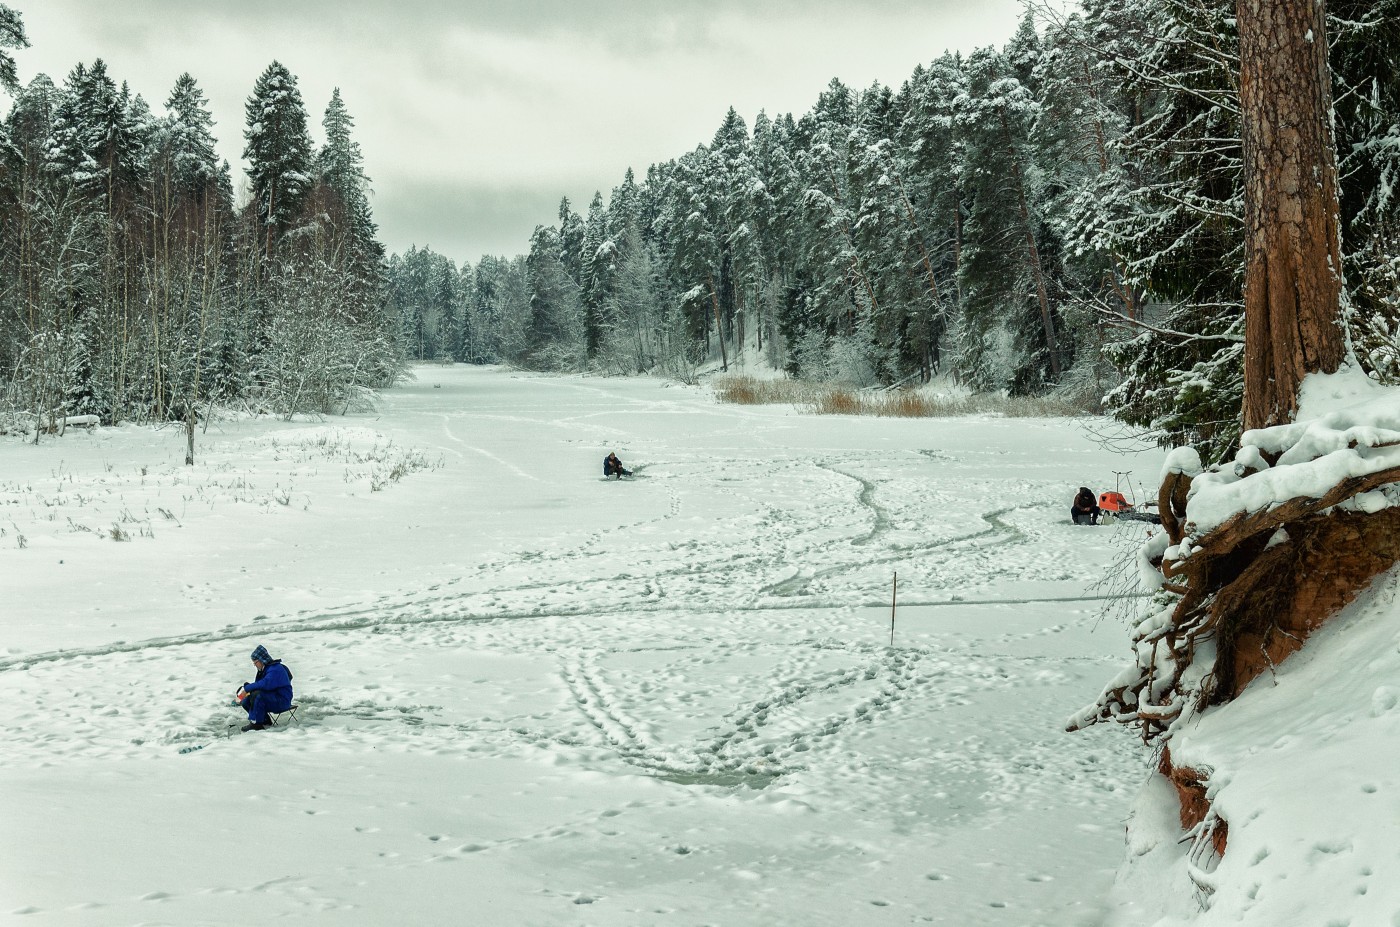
(1237, 602)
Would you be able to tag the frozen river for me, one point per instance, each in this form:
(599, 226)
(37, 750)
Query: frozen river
(531, 696)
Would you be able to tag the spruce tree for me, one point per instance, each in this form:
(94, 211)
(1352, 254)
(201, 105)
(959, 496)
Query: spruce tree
(488, 285)
(340, 167)
(279, 153)
(596, 272)
(1366, 72)
(96, 143)
(570, 234)
(1174, 212)
(11, 36)
(190, 127)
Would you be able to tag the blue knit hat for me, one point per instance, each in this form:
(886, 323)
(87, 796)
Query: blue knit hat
(261, 654)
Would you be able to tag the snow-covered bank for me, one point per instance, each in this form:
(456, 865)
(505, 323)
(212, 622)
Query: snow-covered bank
(535, 697)
(1292, 778)
(1305, 770)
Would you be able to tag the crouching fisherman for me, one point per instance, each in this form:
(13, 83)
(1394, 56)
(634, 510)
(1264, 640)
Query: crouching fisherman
(270, 692)
(613, 467)
(1085, 510)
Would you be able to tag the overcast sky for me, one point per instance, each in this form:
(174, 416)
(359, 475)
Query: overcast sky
(476, 117)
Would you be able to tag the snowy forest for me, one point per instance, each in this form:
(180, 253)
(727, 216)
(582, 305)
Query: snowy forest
(133, 285)
(1063, 214)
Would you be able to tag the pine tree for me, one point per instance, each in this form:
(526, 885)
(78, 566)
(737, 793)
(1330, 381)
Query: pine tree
(773, 211)
(995, 117)
(27, 204)
(1293, 261)
(596, 272)
(692, 221)
(841, 288)
(754, 237)
(912, 305)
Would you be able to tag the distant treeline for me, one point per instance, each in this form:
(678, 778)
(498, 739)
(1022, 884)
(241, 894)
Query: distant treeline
(132, 287)
(1060, 215)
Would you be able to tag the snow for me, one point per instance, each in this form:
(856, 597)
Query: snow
(1347, 426)
(1183, 460)
(532, 696)
(1304, 767)
(1301, 766)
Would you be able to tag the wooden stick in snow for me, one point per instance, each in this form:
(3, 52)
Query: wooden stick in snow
(894, 591)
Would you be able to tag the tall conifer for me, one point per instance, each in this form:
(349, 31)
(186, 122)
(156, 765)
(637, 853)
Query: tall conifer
(279, 153)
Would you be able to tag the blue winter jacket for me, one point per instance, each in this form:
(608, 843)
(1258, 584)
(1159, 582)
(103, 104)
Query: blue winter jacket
(275, 685)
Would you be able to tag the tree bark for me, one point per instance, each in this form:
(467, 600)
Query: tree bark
(1293, 260)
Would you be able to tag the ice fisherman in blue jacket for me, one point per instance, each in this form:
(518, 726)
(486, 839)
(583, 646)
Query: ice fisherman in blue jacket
(270, 692)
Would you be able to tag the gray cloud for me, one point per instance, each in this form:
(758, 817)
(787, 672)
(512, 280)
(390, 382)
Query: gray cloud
(470, 111)
(465, 220)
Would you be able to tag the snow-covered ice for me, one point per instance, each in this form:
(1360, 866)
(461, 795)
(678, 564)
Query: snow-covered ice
(532, 696)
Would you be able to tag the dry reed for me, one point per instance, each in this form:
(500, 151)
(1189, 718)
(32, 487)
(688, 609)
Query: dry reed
(827, 399)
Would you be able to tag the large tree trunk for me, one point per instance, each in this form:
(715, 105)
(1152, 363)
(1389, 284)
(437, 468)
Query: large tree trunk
(1252, 588)
(1292, 246)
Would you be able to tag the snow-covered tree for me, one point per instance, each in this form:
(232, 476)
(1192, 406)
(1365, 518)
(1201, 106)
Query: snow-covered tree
(11, 36)
(1258, 552)
(340, 169)
(279, 153)
(1003, 275)
(555, 336)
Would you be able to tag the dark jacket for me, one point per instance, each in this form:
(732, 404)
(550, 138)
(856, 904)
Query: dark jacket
(274, 682)
(1085, 501)
(612, 465)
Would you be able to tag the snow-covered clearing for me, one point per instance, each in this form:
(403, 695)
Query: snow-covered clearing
(531, 696)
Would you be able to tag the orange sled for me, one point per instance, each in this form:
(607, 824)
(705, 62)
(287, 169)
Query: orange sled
(1114, 503)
